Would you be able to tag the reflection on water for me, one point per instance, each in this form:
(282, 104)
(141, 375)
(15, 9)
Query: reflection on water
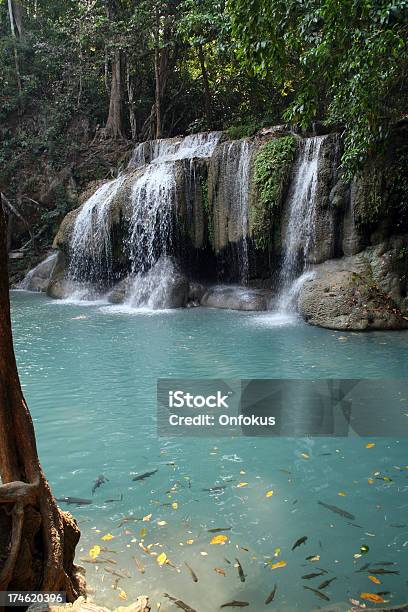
(89, 374)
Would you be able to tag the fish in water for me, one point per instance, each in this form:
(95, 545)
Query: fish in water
(110, 501)
(192, 572)
(299, 542)
(144, 475)
(314, 575)
(326, 583)
(139, 565)
(99, 482)
(217, 529)
(363, 568)
(240, 571)
(235, 604)
(383, 571)
(337, 510)
(317, 593)
(179, 603)
(74, 501)
(215, 488)
(271, 595)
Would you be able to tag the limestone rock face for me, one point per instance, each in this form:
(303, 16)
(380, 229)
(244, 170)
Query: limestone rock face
(362, 292)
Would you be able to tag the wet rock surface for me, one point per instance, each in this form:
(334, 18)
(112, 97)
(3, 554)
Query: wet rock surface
(237, 298)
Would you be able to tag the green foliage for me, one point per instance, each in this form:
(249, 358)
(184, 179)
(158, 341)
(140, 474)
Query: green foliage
(235, 132)
(342, 61)
(272, 166)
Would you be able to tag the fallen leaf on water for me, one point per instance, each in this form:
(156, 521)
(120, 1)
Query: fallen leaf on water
(374, 579)
(372, 597)
(277, 564)
(147, 518)
(370, 481)
(143, 532)
(219, 570)
(189, 541)
(174, 505)
(242, 484)
(242, 472)
(161, 559)
(370, 445)
(107, 537)
(219, 539)
(122, 595)
(95, 551)
(276, 552)
(161, 523)
(203, 553)
(364, 549)
(269, 494)
(305, 456)
(342, 494)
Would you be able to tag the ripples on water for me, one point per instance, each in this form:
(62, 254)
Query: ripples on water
(89, 373)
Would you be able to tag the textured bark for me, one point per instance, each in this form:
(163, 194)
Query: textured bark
(37, 539)
(207, 90)
(114, 125)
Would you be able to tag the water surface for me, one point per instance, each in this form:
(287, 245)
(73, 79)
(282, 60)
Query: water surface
(89, 374)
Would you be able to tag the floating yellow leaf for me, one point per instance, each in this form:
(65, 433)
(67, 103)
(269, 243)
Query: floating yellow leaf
(242, 484)
(374, 579)
(276, 552)
(95, 551)
(269, 494)
(342, 494)
(189, 541)
(143, 532)
(161, 523)
(370, 481)
(174, 505)
(370, 445)
(219, 570)
(122, 595)
(219, 539)
(305, 455)
(162, 559)
(277, 564)
(372, 597)
(107, 537)
(147, 518)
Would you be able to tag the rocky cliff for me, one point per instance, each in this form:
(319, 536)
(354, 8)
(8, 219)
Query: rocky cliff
(256, 212)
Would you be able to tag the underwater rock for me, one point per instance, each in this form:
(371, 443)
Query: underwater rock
(236, 298)
(39, 277)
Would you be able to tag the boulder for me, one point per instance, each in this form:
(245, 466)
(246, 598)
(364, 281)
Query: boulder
(39, 277)
(117, 294)
(236, 298)
(361, 292)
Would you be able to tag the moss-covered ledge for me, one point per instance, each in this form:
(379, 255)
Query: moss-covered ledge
(272, 165)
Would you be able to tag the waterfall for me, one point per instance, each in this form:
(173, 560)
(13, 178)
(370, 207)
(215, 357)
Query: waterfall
(300, 230)
(152, 203)
(38, 278)
(232, 207)
(90, 243)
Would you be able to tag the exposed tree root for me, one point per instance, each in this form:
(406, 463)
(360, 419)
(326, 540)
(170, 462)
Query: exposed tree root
(37, 539)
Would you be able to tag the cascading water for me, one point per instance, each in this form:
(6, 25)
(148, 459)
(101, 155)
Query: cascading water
(91, 241)
(38, 278)
(152, 206)
(235, 163)
(300, 230)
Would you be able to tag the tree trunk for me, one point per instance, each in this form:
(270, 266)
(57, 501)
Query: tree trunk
(131, 102)
(37, 539)
(114, 126)
(158, 92)
(207, 90)
(16, 25)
